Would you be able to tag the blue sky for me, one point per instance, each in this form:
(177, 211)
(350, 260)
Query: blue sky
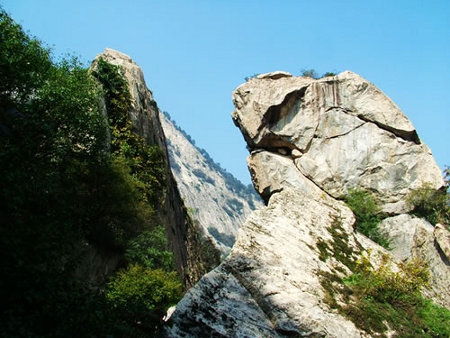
(195, 53)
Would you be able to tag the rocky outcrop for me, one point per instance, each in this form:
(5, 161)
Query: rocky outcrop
(145, 115)
(311, 141)
(415, 238)
(270, 286)
(339, 132)
(217, 200)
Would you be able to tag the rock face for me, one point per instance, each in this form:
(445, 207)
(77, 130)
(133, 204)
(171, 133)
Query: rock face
(218, 201)
(311, 141)
(145, 115)
(416, 238)
(269, 286)
(340, 132)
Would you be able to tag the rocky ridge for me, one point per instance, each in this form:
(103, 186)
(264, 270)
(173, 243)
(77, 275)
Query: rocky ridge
(312, 141)
(183, 235)
(218, 201)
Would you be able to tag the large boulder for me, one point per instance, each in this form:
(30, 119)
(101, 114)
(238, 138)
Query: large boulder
(312, 141)
(340, 132)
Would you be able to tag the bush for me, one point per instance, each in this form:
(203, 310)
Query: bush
(368, 214)
(142, 295)
(310, 73)
(382, 299)
(150, 250)
(329, 74)
(431, 204)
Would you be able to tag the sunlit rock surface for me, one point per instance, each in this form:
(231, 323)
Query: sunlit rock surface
(311, 141)
(341, 132)
(218, 201)
(269, 286)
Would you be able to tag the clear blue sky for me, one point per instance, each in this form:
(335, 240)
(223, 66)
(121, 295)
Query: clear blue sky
(194, 53)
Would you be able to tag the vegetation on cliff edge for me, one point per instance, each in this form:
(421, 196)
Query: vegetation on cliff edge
(65, 191)
(368, 215)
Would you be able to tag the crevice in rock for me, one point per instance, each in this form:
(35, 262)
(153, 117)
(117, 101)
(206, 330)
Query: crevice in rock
(267, 194)
(441, 253)
(312, 181)
(274, 141)
(273, 114)
(346, 133)
(410, 136)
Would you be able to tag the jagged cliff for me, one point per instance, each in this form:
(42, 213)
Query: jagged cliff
(312, 142)
(184, 237)
(218, 201)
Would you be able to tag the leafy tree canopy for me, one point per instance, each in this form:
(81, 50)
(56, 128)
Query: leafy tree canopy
(64, 190)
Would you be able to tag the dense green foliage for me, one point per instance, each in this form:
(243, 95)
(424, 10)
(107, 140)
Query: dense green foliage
(65, 192)
(368, 214)
(327, 74)
(382, 299)
(142, 293)
(432, 204)
(149, 249)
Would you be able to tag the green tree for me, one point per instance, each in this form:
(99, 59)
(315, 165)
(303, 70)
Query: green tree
(63, 191)
(142, 295)
(51, 136)
(24, 63)
(150, 250)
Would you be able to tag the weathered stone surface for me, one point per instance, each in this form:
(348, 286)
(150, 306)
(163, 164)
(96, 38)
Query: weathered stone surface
(442, 237)
(144, 112)
(219, 202)
(274, 75)
(273, 172)
(369, 158)
(341, 131)
(412, 238)
(254, 98)
(311, 141)
(269, 286)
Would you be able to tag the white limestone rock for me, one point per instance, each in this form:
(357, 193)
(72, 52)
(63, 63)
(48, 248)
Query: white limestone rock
(311, 141)
(442, 236)
(273, 172)
(343, 133)
(269, 286)
(411, 238)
